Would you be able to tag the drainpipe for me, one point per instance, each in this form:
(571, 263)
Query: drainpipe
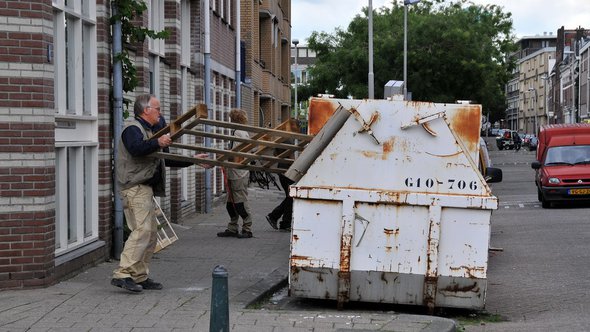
(117, 129)
(238, 57)
(207, 53)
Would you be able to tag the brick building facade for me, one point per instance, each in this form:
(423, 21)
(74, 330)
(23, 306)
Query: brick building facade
(56, 136)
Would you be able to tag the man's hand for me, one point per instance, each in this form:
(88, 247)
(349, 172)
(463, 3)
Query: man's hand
(204, 156)
(164, 141)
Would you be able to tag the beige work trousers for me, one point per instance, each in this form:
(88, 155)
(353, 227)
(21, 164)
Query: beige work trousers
(141, 219)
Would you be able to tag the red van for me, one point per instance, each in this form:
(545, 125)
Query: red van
(563, 163)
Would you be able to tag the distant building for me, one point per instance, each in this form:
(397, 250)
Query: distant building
(305, 58)
(526, 90)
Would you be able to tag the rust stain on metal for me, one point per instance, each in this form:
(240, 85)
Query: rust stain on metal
(374, 117)
(295, 238)
(426, 127)
(300, 258)
(333, 156)
(444, 155)
(369, 154)
(345, 246)
(388, 145)
(466, 123)
(319, 113)
(468, 288)
(387, 148)
(388, 231)
(470, 271)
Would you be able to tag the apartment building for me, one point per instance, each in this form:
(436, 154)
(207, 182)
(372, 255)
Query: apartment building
(266, 35)
(56, 193)
(526, 91)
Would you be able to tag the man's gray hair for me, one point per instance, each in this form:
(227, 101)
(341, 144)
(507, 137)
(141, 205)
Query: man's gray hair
(141, 102)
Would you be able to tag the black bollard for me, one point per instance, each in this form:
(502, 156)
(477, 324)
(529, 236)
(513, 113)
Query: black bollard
(219, 319)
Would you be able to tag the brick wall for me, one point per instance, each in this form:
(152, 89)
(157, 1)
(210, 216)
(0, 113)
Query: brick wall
(27, 171)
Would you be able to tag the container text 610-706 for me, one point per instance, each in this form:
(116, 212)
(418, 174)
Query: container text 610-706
(452, 184)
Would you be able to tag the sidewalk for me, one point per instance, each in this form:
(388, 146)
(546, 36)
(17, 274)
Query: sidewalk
(88, 302)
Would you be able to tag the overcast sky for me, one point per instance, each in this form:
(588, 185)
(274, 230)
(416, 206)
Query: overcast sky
(530, 17)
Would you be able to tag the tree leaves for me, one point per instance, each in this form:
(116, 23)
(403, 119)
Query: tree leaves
(127, 11)
(456, 51)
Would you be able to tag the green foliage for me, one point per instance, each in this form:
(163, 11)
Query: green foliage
(127, 11)
(456, 51)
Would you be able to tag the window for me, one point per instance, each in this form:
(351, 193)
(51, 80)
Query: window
(185, 33)
(228, 12)
(76, 133)
(156, 23)
(154, 75)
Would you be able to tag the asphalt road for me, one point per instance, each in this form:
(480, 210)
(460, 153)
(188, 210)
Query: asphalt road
(539, 281)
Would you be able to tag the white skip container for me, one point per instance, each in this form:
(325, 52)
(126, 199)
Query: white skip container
(389, 205)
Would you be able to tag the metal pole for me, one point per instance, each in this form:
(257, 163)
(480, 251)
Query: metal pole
(371, 74)
(296, 42)
(545, 80)
(238, 57)
(207, 54)
(117, 129)
(219, 315)
(405, 52)
(536, 111)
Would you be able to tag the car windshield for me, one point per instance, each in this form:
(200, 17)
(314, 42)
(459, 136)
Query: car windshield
(568, 155)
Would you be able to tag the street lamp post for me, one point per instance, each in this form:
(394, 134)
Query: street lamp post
(371, 74)
(406, 3)
(295, 42)
(545, 79)
(535, 106)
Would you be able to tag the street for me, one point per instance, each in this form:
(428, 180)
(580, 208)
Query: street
(539, 281)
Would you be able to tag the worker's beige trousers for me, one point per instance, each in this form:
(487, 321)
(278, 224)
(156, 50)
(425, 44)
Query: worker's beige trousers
(141, 220)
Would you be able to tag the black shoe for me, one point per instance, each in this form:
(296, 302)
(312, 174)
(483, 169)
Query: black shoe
(150, 284)
(245, 235)
(227, 233)
(271, 222)
(126, 283)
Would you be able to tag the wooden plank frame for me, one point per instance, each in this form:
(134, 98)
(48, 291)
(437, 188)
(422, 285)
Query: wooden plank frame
(257, 153)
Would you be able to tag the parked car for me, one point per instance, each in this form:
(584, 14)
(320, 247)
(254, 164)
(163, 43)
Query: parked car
(490, 174)
(531, 142)
(562, 168)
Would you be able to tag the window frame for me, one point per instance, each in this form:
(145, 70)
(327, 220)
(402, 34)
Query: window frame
(76, 133)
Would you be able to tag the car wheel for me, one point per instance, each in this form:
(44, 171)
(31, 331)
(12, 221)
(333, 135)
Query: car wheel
(500, 148)
(545, 203)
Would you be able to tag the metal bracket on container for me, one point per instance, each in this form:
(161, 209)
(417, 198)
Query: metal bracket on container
(366, 127)
(424, 122)
(362, 220)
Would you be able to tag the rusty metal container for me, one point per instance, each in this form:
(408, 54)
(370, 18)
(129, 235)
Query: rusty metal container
(392, 208)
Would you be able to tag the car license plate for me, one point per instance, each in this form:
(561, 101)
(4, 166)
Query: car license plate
(579, 191)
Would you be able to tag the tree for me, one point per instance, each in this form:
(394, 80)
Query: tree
(127, 12)
(456, 51)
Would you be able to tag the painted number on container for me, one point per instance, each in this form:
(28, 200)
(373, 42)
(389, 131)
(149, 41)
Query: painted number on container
(451, 184)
